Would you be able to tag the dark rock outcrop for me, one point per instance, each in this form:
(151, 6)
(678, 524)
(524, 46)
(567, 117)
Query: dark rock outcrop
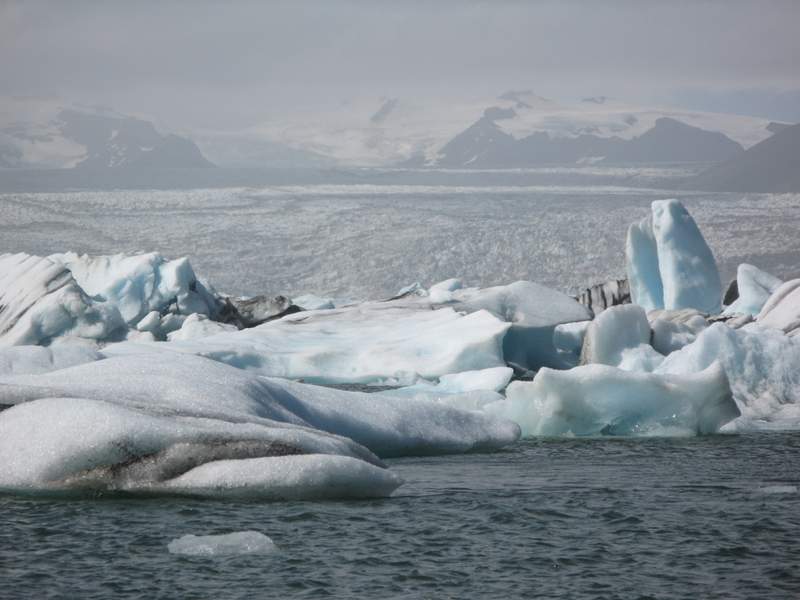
(771, 166)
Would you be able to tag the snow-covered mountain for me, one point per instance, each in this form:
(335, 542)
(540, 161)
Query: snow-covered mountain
(45, 134)
(770, 166)
(395, 131)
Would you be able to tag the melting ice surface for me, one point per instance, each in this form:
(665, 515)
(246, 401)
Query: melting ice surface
(229, 544)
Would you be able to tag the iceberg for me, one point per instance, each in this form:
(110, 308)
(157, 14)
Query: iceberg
(533, 311)
(674, 329)
(601, 400)
(141, 283)
(754, 287)
(782, 309)
(34, 360)
(761, 365)
(669, 263)
(568, 340)
(41, 302)
(198, 326)
(442, 292)
(188, 425)
(601, 296)
(620, 337)
(314, 302)
(367, 343)
(229, 544)
(392, 424)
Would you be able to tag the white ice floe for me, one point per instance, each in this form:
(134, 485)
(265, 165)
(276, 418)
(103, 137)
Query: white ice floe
(755, 287)
(368, 343)
(669, 263)
(782, 309)
(185, 424)
(620, 337)
(228, 544)
(598, 399)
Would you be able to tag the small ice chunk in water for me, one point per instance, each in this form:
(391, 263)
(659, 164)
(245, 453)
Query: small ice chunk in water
(229, 544)
(778, 489)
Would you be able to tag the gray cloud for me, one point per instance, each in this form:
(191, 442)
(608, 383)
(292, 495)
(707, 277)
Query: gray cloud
(203, 64)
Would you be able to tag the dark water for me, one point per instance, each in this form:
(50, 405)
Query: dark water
(651, 518)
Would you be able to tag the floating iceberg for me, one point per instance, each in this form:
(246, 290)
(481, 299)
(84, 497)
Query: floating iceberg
(603, 400)
(368, 343)
(782, 309)
(198, 326)
(184, 424)
(761, 365)
(754, 287)
(674, 329)
(229, 544)
(568, 340)
(34, 360)
(669, 263)
(605, 295)
(533, 310)
(96, 298)
(620, 337)
(141, 283)
(41, 301)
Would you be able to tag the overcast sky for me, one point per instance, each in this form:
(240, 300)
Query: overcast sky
(230, 65)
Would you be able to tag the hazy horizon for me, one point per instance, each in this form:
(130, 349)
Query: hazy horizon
(199, 66)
